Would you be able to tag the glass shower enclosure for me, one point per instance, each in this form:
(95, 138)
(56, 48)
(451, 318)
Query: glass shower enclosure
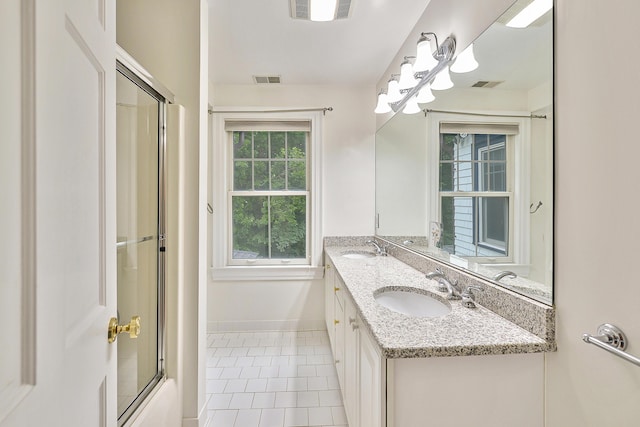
(140, 147)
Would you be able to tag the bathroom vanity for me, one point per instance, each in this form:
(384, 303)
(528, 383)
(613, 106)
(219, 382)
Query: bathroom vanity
(467, 367)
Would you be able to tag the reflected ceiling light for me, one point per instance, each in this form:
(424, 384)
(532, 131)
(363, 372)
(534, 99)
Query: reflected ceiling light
(442, 80)
(393, 91)
(425, 95)
(465, 62)
(411, 107)
(530, 13)
(407, 80)
(322, 10)
(424, 56)
(383, 105)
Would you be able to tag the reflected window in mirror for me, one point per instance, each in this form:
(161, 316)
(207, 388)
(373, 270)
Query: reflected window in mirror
(480, 188)
(476, 194)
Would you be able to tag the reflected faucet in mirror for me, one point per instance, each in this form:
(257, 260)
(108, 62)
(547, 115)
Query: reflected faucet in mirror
(503, 274)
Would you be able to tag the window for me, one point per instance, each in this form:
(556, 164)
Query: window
(475, 189)
(269, 196)
(265, 195)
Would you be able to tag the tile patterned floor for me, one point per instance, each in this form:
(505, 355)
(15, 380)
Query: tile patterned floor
(272, 379)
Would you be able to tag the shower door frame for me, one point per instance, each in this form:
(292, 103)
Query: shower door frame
(138, 76)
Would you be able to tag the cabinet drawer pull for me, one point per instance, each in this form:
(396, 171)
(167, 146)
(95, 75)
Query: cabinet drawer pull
(336, 289)
(352, 320)
(336, 321)
(354, 326)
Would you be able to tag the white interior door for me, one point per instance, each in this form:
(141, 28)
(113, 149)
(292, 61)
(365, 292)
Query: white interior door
(64, 105)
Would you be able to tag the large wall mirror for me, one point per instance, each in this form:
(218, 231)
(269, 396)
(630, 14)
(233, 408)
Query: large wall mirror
(470, 180)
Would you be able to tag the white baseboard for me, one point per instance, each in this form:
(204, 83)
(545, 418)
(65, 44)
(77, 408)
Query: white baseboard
(265, 325)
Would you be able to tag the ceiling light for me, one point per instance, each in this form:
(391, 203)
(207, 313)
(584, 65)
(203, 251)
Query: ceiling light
(411, 106)
(465, 62)
(322, 10)
(530, 13)
(393, 91)
(442, 80)
(407, 80)
(383, 104)
(425, 95)
(424, 56)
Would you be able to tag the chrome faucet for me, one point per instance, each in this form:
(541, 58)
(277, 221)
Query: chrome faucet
(468, 297)
(445, 285)
(382, 251)
(505, 273)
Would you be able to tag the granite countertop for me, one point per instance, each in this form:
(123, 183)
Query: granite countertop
(462, 332)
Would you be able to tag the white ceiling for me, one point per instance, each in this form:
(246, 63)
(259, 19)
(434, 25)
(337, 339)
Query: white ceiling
(257, 37)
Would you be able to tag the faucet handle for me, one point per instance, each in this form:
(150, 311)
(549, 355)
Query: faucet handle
(468, 298)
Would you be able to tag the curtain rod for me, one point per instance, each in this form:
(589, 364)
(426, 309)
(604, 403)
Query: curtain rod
(530, 116)
(296, 110)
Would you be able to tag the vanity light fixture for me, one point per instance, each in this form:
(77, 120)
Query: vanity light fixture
(383, 104)
(425, 59)
(322, 10)
(425, 95)
(407, 79)
(435, 77)
(411, 107)
(393, 90)
(442, 80)
(465, 62)
(529, 14)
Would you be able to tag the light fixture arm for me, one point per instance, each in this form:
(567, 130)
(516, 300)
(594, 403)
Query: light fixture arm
(444, 55)
(434, 36)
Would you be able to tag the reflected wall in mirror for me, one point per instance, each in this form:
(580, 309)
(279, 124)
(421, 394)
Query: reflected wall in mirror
(470, 182)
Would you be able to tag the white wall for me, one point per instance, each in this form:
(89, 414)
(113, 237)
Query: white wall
(597, 231)
(169, 39)
(401, 177)
(347, 201)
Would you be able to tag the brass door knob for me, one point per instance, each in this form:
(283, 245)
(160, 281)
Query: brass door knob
(132, 328)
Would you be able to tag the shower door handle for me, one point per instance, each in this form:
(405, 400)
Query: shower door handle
(132, 328)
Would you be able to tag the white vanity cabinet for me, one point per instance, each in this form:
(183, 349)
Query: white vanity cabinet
(329, 296)
(334, 316)
(358, 363)
(479, 391)
(499, 390)
(371, 382)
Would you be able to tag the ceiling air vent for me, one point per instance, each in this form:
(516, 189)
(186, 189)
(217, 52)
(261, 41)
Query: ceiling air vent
(266, 79)
(299, 9)
(485, 84)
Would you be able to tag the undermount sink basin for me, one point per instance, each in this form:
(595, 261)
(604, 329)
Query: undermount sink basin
(358, 255)
(412, 302)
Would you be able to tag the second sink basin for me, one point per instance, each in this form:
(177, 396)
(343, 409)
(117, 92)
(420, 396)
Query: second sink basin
(412, 302)
(358, 255)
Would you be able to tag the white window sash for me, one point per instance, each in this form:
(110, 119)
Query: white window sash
(518, 176)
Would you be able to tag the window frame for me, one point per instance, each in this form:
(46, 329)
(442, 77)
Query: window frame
(268, 193)
(482, 238)
(518, 154)
(222, 266)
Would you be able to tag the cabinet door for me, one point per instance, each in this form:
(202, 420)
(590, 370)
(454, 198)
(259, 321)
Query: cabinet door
(338, 350)
(371, 408)
(351, 362)
(329, 297)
